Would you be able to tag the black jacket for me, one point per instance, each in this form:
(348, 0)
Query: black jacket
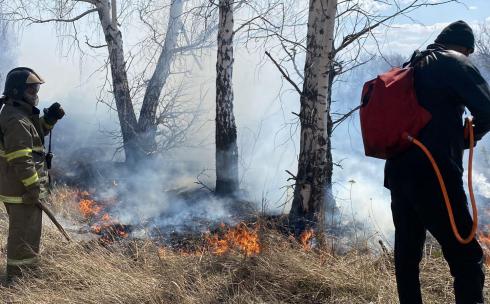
(445, 82)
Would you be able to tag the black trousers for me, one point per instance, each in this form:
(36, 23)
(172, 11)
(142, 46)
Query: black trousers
(417, 207)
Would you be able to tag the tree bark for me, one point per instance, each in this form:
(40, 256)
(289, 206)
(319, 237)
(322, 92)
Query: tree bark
(226, 131)
(124, 105)
(147, 122)
(313, 180)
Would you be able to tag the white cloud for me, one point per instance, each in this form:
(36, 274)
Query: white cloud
(404, 38)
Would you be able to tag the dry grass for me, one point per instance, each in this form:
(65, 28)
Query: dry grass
(139, 271)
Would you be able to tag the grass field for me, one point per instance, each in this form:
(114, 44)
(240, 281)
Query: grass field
(140, 271)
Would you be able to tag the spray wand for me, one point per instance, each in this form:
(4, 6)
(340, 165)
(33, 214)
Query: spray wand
(49, 159)
(54, 220)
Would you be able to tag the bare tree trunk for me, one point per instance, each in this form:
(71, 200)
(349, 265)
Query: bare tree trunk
(148, 116)
(124, 105)
(226, 133)
(313, 179)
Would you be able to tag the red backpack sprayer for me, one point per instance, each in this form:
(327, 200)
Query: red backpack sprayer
(391, 119)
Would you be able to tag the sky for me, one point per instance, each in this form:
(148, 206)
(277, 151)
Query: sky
(263, 119)
(471, 11)
(423, 26)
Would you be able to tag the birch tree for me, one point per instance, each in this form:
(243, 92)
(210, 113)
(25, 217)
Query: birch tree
(138, 134)
(226, 131)
(311, 180)
(147, 124)
(226, 157)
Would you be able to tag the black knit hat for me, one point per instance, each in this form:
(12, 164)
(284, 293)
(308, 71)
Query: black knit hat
(457, 33)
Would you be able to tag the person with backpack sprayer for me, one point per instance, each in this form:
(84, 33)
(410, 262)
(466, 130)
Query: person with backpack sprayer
(412, 117)
(23, 172)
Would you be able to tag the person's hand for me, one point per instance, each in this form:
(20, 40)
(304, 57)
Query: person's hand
(31, 196)
(54, 112)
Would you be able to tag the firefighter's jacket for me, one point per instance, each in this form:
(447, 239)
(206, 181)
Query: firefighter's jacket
(22, 156)
(445, 82)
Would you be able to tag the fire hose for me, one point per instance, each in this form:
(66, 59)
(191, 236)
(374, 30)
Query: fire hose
(54, 220)
(49, 158)
(467, 240)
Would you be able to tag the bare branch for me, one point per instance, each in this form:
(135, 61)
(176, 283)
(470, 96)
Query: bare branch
(94, 46)
(293, 177)
(344, 117)
(71, 20)
(246, 24)
(285, 74)
(412, 6)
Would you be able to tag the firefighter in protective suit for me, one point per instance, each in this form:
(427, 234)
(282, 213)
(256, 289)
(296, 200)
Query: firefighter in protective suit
(23, 173)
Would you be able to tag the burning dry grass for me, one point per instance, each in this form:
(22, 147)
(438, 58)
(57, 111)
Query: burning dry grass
(139, 271)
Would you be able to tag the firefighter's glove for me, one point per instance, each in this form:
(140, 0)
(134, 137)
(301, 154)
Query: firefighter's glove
(54, 113)
(31, 196)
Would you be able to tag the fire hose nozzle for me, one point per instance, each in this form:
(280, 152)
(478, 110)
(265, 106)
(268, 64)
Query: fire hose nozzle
(468, 121)
(407, 136)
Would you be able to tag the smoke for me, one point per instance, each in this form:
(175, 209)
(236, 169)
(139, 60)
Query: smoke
(164, 198)
(163, 192)
(481, 184)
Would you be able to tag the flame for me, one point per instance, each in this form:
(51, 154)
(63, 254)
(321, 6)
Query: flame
(97, 229)
(219, 247)
(240, 237)
(122, 233)
(89, 208)
(105, 226)
(305, 239)
(109, 228)
(106, 218)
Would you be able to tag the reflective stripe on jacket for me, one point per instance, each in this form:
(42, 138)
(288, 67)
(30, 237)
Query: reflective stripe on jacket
(22, 157)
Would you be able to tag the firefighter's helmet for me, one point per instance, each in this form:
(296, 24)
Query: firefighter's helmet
(18, 79)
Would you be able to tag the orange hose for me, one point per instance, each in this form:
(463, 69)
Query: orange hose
(443, 185)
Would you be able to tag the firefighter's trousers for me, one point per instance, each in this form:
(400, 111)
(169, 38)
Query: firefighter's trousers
(25, 222)
(417, 207)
